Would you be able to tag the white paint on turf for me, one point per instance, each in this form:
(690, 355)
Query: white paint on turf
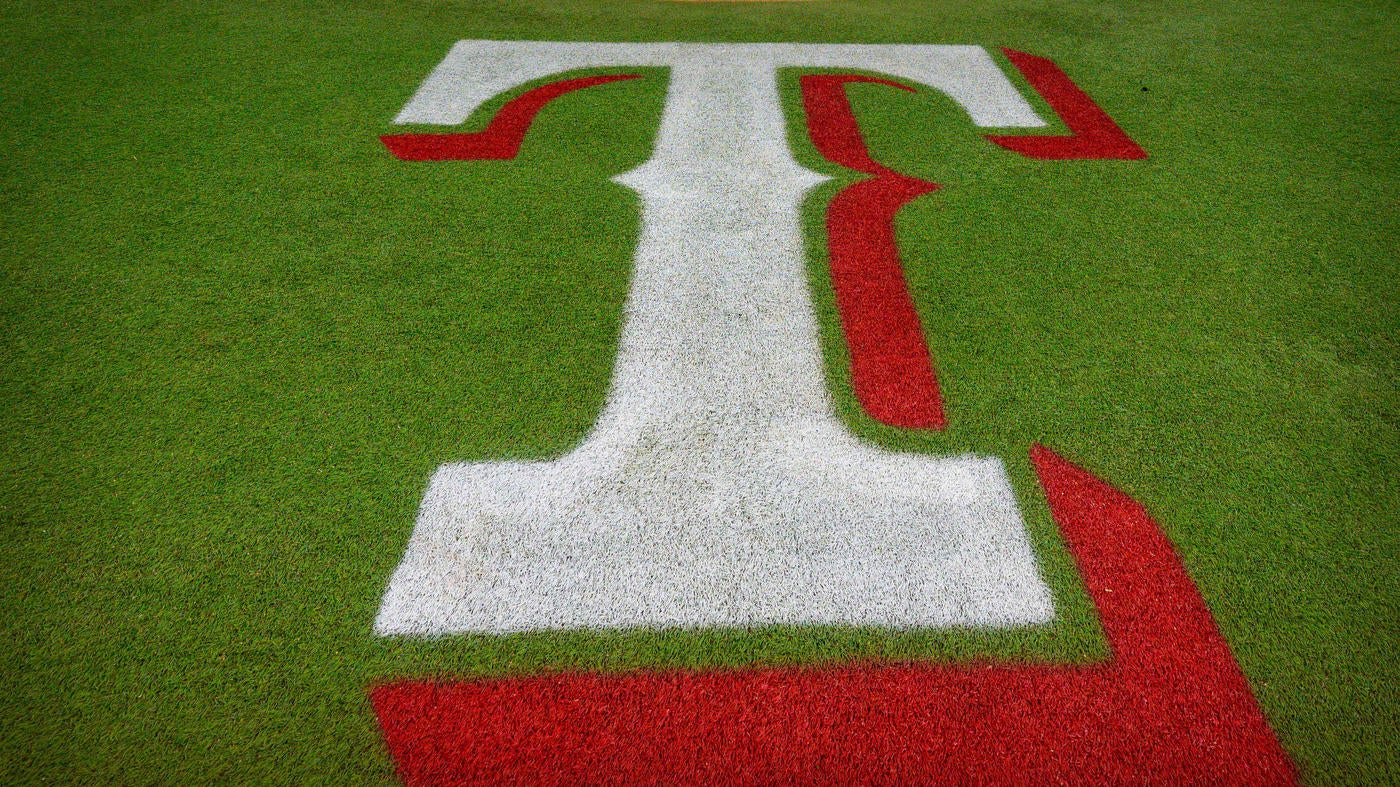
(474, 72)
(717, 488)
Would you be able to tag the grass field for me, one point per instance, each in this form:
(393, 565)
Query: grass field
(237, 337)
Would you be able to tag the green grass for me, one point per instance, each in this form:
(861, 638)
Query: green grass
(236, 337)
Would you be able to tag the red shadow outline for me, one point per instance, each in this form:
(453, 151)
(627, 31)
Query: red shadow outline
(891, 367)
(501, 138)
(1170, 705)
(1093, 134)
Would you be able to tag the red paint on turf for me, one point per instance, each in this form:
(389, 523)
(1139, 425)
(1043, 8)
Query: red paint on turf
(1170, 706)
(1093, 134)
(502, 136)
(891, 369)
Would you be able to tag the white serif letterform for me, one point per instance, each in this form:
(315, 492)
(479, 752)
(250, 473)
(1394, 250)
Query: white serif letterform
(717, 488)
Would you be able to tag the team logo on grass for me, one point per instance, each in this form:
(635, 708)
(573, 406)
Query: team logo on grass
(718, 488)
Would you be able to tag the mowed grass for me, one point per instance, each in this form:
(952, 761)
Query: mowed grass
(238, 336)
